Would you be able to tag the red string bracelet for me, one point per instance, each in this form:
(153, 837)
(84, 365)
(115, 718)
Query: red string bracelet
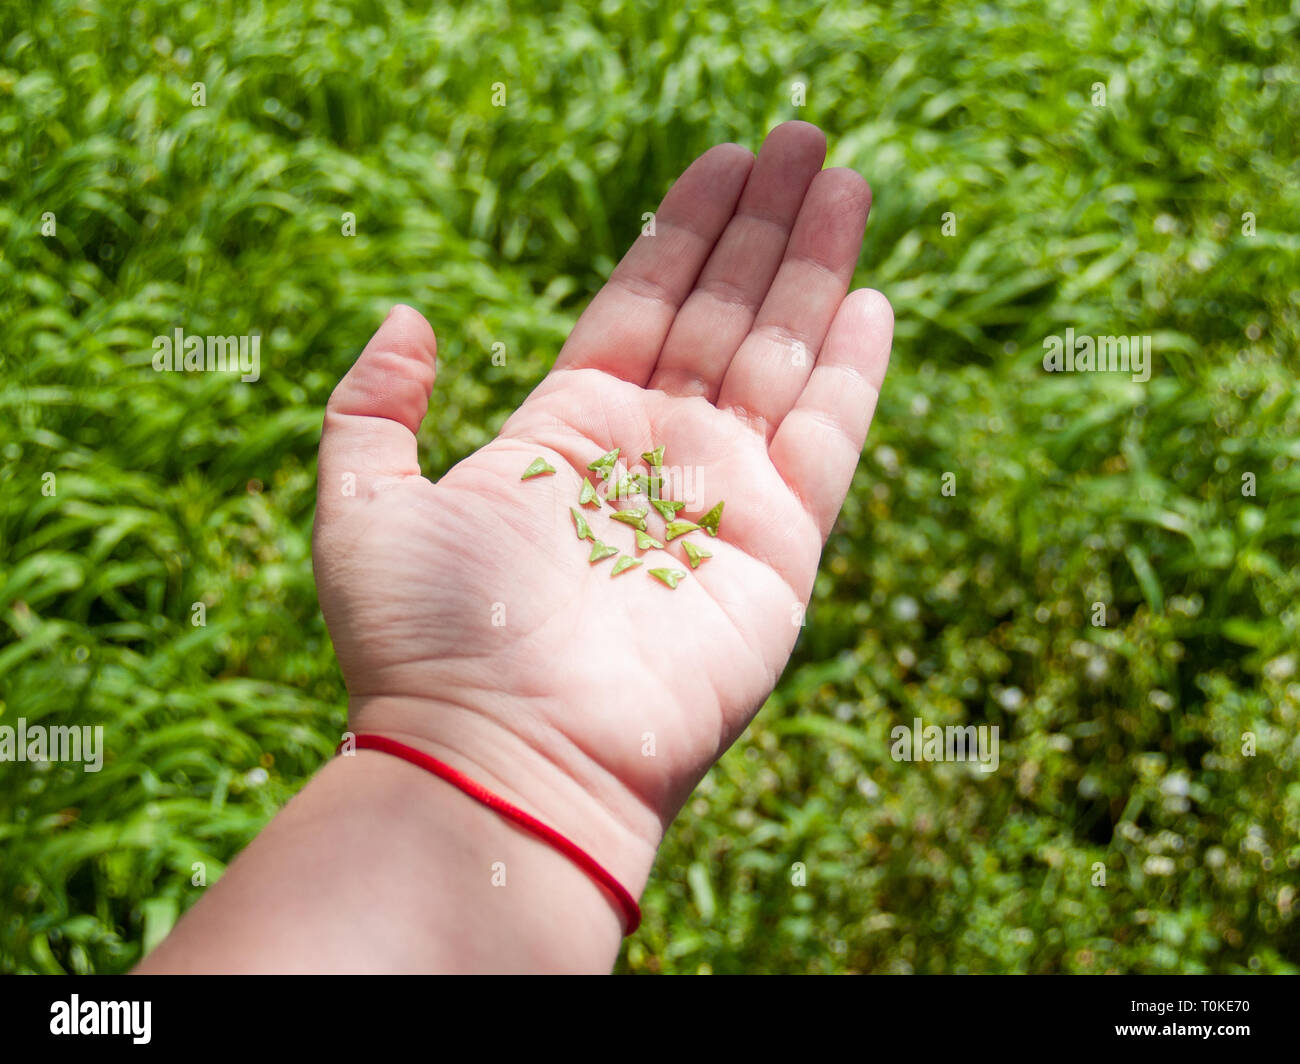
(580, 857)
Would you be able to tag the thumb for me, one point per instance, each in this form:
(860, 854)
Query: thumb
(373, 414)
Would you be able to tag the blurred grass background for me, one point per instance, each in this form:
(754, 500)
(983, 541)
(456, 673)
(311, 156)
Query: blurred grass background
(1121, 745)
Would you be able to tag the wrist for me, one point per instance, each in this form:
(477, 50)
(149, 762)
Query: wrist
(378, 866)
(497, 743)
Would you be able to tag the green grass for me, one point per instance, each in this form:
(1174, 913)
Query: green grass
(1120, 744)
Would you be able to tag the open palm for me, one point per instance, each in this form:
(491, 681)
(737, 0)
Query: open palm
(466, 614)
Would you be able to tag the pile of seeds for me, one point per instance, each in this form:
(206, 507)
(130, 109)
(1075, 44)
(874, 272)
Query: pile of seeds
(636, 486)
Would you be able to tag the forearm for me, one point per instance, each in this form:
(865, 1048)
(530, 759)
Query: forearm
(379, 866)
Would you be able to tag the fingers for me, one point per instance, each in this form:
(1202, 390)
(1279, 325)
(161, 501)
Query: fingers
(624, 327)
(817, 446)
(718, 314)
(372, 417)
(776, 358)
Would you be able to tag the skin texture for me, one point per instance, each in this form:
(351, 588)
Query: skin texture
(468, 621)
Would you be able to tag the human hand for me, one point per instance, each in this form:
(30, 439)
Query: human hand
(728, 339)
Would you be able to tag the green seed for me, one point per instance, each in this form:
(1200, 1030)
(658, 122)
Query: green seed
(667, 507)
(600, 551)
(645, 542)
(587, 496)
(694, 555)
(580, 522)
(654, 459)
(623, 565)
(539, 468)
(635, 518)
(678, 528)
(604, 465)
(710, 521)
(667, 576)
